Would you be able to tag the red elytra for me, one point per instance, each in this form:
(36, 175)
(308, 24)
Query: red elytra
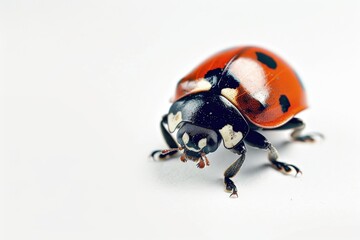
(269, 92)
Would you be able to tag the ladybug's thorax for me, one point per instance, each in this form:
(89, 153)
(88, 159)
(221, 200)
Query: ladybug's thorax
(203, 120)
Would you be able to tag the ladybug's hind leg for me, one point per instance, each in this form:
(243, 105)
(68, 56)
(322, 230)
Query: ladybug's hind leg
(174, 148)
(298, 125)
(234, 169)
(257, 140)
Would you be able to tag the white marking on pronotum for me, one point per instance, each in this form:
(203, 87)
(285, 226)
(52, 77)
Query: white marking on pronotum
(197, 85)
(251, 76)
(185, 138)
(229, 93)
(202, 143)
(174, 120)
(230, 137)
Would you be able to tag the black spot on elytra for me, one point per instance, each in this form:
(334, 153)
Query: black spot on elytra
(228, 81)
(266, 59)
(248, 110)
(284, 102)
(213, 76)
(261, 107)
(245, 100)
(219, 80)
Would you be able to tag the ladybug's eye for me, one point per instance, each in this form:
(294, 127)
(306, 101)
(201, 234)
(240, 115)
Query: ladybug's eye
(185, 138)
(198, 139)
(202, 143)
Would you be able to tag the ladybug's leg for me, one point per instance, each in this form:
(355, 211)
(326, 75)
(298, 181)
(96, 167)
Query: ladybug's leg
(169, 140)
(234, 169)
(298, 125)
(257, 140)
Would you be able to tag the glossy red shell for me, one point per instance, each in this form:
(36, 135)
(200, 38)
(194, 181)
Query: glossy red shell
(269, 92)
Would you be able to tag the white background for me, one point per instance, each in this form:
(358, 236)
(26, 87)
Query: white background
(83, 87)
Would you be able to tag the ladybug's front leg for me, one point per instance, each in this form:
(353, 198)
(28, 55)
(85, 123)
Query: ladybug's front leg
(174, 147)
(234, 169)
(257, 140)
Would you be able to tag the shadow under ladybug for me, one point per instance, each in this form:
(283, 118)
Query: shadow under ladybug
(229, 98)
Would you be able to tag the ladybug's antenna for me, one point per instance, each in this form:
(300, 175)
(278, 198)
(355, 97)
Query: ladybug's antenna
(171, 150)
(163, 154)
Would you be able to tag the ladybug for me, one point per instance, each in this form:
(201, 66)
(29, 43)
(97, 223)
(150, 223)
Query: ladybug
(229, 98)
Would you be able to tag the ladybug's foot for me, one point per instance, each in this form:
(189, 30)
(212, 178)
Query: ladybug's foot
(230, 187)
(284, 167)
(313, 137)
(297, 135)
(281, 166)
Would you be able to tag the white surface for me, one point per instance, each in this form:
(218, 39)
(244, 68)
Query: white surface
(84, 84)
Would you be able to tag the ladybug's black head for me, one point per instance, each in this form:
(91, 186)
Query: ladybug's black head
(197, 142)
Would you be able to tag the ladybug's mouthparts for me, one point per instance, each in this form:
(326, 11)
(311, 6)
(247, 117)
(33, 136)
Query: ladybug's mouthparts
(201, 161)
